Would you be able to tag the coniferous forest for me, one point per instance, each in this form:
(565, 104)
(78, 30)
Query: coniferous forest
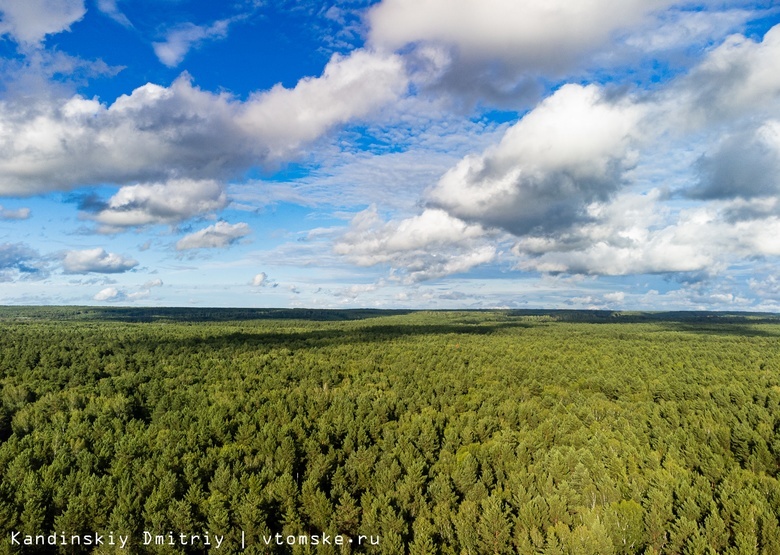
(480, 433)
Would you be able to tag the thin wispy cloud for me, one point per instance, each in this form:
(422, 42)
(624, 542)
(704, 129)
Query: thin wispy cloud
(219, 235)
(187, 36)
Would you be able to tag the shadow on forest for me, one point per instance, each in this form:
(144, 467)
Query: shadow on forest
(189, 314)
(691, 318)
(724, 328)
(316, 338)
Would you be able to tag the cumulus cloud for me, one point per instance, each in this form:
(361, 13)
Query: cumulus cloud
(571, 150)
(618, 239)
(29, 22)
(219, 235)
(157, 133)
(96, 260)
(537, 34)
(181, 39)
(159, 203)
(428, 246)
(497, 50)
(260, 280)
(18, 214)
(630, 235)
(109, 294)
(745, 165)
(738, 78)
(350, 87)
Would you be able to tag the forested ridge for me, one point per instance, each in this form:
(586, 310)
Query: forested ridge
(435, 432)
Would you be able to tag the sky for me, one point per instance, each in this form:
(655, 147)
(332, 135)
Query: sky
(428, 154)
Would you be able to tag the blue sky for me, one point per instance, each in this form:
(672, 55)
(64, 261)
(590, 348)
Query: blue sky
(391, 153)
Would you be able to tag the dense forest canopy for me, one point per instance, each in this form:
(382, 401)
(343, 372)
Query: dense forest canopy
(448, 433)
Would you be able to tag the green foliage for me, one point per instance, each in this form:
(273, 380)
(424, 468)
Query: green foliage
(434, 432)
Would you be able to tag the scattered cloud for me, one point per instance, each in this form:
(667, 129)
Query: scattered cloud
(559, 182)
(766, 287)
(158, 203)
(96, 260)
(594, 154)
(219, 235)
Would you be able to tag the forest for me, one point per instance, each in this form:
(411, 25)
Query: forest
(388, 432)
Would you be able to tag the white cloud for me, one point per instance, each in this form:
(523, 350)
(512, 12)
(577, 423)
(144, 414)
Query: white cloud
(219, 235)
(616, 297)
(18, 214)
(538, 34)
(679, 29)
(558, 178)
(160, 133)
(738, 78)
(625, 236)
(744, 165)
(350, 87)
(181, 39)
(571, 150)
(428, 246)
(29, 21)
(96, 260)
(161, 203)
(111, 294)
(354, 291)
(631, 235)
(260, 280)
(110, 8)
